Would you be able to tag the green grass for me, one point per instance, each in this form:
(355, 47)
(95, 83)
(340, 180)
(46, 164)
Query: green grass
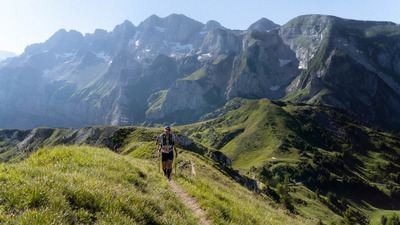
(249, 135)
(270, 140)
(376, 216)
(220, 59)
(285, 138)
(197, 75)
(157, 99)
(69, 185)
(308, 204)
(92, 185)
(225, 201)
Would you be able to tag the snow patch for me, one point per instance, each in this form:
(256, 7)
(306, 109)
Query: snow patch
(161, 29)
(131, 41)
(284, 62)
(203, 32)
(147, 50)
(274, 88)
(134, 40)
(204, 56)
(105, 56)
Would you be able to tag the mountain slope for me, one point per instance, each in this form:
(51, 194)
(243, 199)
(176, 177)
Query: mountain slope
(82, 184)
(87, 185)
(320, 150)
(355, 67)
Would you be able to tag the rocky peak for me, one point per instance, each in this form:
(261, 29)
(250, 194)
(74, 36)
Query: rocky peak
(126, 27)
(221, 41)
(63, 41)
(60, 42)
(212, 24)
(179, 28)
(263, 24)
(99, 34)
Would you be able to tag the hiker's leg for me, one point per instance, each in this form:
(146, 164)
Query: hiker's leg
(169, 164)
(164, 163)
(169, 168)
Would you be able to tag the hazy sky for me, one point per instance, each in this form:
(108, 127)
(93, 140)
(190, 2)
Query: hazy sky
(24, 22)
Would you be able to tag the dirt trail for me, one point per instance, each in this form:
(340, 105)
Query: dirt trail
(190, 202)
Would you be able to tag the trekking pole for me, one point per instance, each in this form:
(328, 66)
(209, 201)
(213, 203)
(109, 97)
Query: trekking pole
(158, 160)
(175, 167)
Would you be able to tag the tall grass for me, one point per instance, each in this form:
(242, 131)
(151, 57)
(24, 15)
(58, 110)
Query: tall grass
(86, 185)
(225, 201)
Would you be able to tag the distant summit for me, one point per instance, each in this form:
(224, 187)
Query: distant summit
(4, 55)
(263, 24)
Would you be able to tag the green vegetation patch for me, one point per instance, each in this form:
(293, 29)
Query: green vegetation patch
(197, 75)
(156, 100)
(70, 185)
(225, 201)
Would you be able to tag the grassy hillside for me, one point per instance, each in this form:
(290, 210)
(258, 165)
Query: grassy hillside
(71, 185)
(225, 201)
(332, 164)
(79, 184)
(311, 160)
(250, 135)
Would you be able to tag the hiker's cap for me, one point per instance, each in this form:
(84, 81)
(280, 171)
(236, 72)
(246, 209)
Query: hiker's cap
(167, 128)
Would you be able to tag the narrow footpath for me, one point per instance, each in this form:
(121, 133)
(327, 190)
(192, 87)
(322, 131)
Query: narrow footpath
(190, 202)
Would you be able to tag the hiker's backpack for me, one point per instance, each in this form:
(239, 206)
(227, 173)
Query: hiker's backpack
(167, 141)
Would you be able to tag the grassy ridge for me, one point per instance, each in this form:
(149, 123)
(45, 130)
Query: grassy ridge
(92, 185)
(68, 185)
(249, 135)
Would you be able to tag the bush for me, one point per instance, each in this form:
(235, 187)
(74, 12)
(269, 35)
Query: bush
(393, 220)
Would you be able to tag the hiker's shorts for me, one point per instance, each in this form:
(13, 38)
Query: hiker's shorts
(167, 156)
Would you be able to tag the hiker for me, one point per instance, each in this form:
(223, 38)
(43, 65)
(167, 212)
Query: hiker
(167, 143)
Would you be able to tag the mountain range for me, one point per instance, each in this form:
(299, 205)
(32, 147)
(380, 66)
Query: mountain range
(176, 70)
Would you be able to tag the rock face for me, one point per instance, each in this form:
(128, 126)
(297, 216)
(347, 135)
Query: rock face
(264, 68)
(352, 67)
(176, 69)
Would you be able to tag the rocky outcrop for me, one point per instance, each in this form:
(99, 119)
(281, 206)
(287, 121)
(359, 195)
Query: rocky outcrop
(264, 68)
(196, 94)
(185, 141)
(220, 157)
(263, 24)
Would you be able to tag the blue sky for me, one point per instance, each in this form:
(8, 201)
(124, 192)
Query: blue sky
(23, 22)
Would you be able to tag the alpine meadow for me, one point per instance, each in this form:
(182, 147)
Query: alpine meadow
(291, 124)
